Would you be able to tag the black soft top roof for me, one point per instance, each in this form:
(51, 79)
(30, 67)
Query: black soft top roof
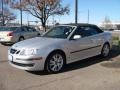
(79, 24)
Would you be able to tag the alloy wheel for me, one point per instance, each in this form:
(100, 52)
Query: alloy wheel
(55, 63)
(105, 50)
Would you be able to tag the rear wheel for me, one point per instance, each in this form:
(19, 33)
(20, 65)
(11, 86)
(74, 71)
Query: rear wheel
(55, 62)
(105, 50)
(21, 38)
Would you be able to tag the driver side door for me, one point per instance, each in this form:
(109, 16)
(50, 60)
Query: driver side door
(80, 48)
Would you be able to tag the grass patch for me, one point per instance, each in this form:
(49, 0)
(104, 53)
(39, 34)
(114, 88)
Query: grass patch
(116, 40)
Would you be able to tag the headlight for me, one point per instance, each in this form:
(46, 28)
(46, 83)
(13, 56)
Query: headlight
(28, 52)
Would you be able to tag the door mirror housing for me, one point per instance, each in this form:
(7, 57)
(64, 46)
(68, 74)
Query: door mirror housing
(77, 37)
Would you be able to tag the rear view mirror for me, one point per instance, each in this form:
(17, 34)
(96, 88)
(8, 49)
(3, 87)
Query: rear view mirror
(77, 37)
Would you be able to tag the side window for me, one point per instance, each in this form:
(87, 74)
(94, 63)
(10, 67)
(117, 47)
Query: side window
(86, 31)
(91, 31)
(24, 29)
(17, 30)
(31, 29)
(81, 32)
(34, 30)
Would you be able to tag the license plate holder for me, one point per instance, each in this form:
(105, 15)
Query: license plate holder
(10, 58)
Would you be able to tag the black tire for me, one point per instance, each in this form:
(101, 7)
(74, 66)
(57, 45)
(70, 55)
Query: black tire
(38, 34)
(105, 50)
(50, 60)
(2, 43)
(21, 38)
(7, 44)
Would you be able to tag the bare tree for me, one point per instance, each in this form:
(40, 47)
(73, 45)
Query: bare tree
(6, 13)
(107, 23)
(8, 16)
(41, 9)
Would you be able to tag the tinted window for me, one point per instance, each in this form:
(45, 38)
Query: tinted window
(87, 31)
(24, 29)
(30, 29)
(90, 31)
(81, 32)
(34, 30)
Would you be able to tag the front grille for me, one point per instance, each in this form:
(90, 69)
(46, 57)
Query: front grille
(13, 51)
(23, 65)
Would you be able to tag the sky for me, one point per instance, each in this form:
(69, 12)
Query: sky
(98, 10)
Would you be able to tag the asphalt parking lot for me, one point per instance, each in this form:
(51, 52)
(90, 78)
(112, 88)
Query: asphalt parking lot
(91, 74)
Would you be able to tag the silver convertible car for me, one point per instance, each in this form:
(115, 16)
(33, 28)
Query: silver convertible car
(61, 45)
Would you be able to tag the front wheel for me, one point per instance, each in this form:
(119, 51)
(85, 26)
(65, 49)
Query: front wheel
(55, 62)
(105, 50)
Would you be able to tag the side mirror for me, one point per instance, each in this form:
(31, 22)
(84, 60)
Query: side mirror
(77, 37)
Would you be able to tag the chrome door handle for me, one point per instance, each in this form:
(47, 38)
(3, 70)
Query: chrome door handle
(93, 40)
(100, 39)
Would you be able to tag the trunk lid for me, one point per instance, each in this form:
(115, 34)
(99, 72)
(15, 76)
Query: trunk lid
(4, 33)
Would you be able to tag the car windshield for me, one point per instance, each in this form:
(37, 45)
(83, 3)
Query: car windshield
(8, 28)
(59, 32)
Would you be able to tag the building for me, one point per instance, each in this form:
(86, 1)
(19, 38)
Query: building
(114, 26)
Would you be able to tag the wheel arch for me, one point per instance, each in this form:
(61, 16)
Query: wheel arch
(102, 51)
(107, 43)
(21, 37)
(54, 51)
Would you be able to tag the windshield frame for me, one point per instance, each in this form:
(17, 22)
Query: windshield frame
(74, 28)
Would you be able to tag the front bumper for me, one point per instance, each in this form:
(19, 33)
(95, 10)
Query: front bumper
(25, 62)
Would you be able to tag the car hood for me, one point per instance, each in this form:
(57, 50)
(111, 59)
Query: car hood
(37, 42)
